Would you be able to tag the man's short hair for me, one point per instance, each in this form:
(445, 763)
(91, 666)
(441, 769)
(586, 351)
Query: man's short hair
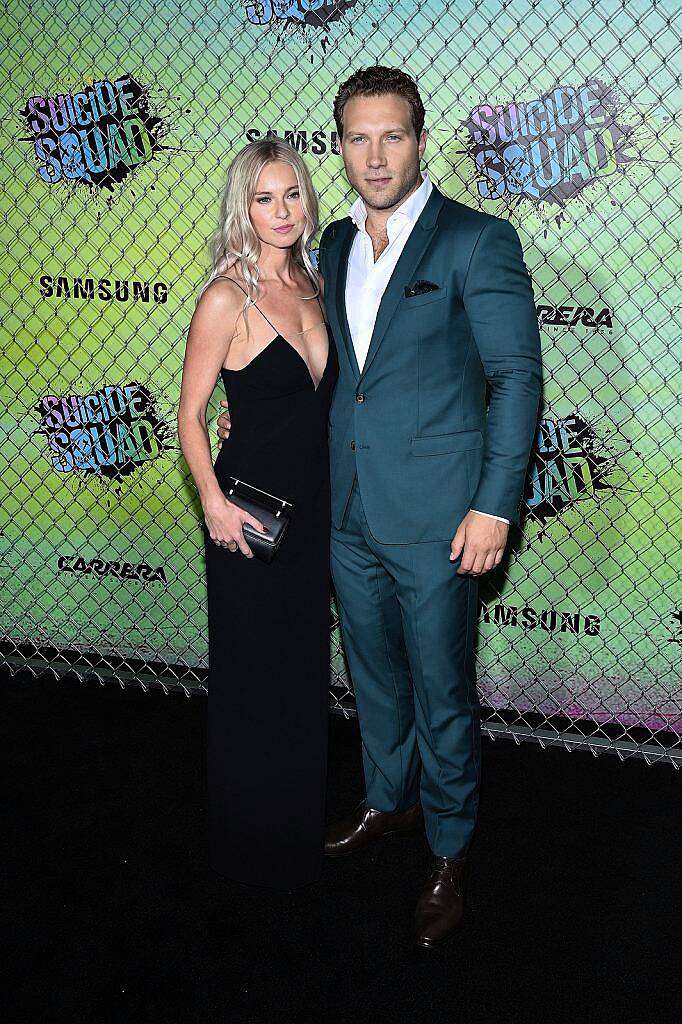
(379, 81)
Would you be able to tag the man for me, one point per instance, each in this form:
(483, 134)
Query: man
(428, 300)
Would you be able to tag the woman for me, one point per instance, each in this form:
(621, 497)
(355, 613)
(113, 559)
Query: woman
(260, 323)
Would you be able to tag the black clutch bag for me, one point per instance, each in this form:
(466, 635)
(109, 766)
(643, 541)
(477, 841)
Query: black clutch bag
(271, 511)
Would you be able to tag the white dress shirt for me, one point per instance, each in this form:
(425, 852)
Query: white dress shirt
(367, 280)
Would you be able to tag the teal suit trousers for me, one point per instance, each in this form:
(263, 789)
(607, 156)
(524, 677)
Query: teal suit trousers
(409, 624)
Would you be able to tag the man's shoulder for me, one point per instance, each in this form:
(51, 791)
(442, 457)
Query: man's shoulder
(458, 216)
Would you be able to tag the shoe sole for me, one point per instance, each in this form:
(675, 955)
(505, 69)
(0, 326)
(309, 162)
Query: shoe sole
(424, 944)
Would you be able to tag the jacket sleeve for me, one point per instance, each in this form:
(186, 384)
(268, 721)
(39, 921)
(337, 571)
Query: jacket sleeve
(499, 302)
(322, 251)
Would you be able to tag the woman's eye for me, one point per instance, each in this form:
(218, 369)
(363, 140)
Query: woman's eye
(294, 195)
(263, 199)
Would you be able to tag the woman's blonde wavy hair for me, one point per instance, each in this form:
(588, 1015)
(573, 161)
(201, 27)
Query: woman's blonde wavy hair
(235, 241)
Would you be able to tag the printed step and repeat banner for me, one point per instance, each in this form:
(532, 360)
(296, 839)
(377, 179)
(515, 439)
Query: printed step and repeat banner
(119, 127)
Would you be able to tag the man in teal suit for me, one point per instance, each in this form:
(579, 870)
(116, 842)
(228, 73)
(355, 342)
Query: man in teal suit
(429, 302)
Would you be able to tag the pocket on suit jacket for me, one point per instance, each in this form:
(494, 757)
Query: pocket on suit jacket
(443, 444)
(421, 300)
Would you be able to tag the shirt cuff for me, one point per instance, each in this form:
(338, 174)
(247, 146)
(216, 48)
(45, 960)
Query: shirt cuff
(490, 515)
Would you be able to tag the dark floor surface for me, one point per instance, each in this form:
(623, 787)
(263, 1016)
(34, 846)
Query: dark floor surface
(112, 914)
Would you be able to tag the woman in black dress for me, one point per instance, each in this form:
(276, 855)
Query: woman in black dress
(268, 624)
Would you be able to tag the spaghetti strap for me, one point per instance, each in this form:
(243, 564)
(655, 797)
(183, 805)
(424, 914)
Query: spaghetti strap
(226, 278)
(247, 295)
(319, 292)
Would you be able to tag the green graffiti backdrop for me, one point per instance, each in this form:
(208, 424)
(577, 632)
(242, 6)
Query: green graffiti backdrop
(119, 128)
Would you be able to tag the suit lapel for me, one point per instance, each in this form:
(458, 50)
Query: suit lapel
(341, 277)
(415, 247)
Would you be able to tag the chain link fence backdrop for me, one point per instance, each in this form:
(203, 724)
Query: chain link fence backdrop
(119, 124)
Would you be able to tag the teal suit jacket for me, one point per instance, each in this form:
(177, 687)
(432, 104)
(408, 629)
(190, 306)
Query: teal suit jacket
(413, 424)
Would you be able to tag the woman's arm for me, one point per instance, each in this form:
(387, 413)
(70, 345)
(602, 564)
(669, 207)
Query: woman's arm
(208, 342)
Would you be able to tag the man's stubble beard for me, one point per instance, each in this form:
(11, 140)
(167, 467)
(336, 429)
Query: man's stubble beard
(393, 196)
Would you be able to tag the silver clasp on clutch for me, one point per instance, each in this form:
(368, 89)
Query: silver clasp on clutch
(274, 497)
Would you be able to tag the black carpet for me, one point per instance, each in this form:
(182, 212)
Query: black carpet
(112, 914)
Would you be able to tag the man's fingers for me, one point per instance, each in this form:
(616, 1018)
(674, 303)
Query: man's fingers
(479, 563)
(476, 562)
(491, 561)
(224, 421)
(457, 545)
(472, 562)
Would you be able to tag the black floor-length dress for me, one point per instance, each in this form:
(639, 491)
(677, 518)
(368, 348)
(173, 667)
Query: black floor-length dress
(268, 631)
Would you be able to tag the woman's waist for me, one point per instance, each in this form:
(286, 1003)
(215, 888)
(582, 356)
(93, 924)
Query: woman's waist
(270, 446)
(288, 474)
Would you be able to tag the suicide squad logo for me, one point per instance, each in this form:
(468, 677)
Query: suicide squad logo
(111, 432)
(551, 148)
(566, 466)
(95, 137)
(317, 13)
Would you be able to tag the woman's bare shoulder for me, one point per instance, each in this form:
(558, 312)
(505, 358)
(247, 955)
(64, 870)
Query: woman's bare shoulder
(219, 309)
(222, 296)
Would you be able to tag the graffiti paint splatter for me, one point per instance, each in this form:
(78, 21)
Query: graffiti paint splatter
(95, 137)
(567, 466)
(316, 13)
(549, 149)
(110, 433)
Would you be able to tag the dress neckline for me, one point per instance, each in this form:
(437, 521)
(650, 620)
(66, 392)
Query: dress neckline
(280, 337)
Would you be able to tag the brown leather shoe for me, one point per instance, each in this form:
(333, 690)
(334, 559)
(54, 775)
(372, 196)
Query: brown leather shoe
(365, 824)
(441, 904)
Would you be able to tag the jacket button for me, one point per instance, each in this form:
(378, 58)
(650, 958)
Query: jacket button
(352, 444)
(359, 398)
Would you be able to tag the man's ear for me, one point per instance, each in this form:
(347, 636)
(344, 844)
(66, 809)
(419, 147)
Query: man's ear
(422, 142)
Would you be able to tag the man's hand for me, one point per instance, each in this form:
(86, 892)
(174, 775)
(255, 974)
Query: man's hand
(483, 540)
(224, 424)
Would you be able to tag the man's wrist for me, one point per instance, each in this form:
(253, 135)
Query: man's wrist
(490, 515)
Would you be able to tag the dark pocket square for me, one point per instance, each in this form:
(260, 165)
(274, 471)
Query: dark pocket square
(419, 287)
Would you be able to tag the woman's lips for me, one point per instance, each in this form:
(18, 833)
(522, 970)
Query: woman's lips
(284, 229)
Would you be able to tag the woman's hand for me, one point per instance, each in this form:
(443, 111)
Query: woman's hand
(225, 523)
(224, 424)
